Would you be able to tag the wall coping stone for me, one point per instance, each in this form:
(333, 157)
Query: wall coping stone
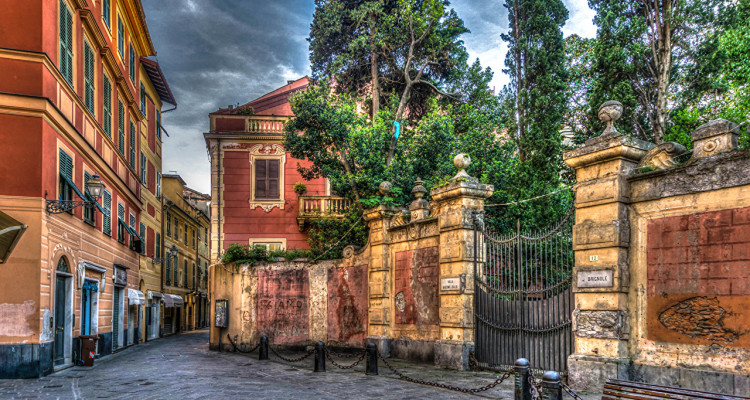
(617, 147)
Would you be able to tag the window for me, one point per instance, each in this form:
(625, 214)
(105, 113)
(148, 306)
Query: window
(158, 245)
(185, 275)
(158, 185)
(107, 219)
(158, 124)
(120, 127)
(88, 77)
(176, 266)
(144, 175)
(66, 42)
(198, 233)
(107, 106)
(193, 236)
(169, 225)
(205, 237)
(194, 272)
(132, 145)
(89, 213)
(168, 275)
(176, 228)
(186, 234)
(120, 38)
(132, 236)
(267, 179)
(143, 99)
(120, 223)
(143, 236)
(66, 176)
(106, 13)
(270, 246)
(132, 63)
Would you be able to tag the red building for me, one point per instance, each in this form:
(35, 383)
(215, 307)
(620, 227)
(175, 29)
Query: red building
(252, 177)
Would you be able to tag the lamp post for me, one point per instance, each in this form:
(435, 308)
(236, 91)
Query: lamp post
(94, 188)
(172, 252)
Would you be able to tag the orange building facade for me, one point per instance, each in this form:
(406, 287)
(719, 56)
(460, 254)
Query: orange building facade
(77, 100)
(253, 201)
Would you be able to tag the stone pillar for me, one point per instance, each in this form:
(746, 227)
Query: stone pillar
(379, 316)
(457, 202)
(600, 240)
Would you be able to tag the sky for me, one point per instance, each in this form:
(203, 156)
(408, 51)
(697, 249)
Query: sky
(220, 52)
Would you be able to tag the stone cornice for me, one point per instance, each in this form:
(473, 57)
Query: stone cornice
(618, 147)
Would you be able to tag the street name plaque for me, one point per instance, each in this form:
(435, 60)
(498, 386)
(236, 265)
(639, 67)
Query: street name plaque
(450, 284)
(597, 278)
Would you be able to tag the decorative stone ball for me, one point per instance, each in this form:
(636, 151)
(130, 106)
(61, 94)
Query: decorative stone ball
(610, 111)
(385, 188)
(461, 161)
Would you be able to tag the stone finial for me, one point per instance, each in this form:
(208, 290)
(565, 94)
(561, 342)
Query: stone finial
(385, 188)
(609, 112)
(419, 208)
(715, 137)
(462, 161)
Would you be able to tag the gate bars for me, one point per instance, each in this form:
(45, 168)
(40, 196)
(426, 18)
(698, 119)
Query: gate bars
(523, 300)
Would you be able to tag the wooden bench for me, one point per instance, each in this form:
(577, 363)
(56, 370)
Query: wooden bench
(627, 390)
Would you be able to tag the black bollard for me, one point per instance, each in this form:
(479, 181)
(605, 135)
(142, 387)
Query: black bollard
(551, 386)
(372, 359)
(320, 357)
(263, 349)
(522, 387)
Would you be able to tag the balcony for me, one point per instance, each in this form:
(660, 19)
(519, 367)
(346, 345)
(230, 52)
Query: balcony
(314, 207)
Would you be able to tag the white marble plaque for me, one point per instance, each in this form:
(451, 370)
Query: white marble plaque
(450, 284)
(598, 278)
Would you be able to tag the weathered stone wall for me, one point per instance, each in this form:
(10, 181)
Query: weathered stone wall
(675, 238)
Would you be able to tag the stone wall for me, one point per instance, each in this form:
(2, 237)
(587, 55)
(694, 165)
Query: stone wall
(675, 237)
(388, 292)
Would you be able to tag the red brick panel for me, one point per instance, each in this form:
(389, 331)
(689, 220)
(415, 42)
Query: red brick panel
(698, 278)
(417, 298)
(404, 304)
(283, 305)
(347, 305)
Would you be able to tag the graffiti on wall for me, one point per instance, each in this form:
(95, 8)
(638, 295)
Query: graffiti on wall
(417, 298)
(699, 278)
(347, 304)
(283, 298)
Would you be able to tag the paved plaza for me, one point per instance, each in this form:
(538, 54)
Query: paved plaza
(182, 367)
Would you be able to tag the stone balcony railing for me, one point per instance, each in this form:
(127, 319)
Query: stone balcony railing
(265, 124)
(314, 207)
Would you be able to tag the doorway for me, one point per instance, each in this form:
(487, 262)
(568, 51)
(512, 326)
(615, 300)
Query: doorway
(118, 318)
(63, 333)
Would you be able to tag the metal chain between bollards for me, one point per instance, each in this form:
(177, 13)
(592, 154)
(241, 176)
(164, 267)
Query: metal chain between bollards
(536, 387)
(570, 391)
(443, 385)
(337, 365)
(292, 360)
(237, 349)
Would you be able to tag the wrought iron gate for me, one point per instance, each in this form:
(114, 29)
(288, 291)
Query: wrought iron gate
(523, 300)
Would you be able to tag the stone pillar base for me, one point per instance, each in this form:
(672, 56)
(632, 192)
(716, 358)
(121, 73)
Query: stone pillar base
(453, 355)
(383, 343)
(587, 372)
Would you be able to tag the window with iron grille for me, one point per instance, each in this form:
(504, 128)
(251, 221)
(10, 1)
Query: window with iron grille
(132, 63)
(168, 274)
(66, 176)
(107, 219)
(132, 145)
(120, 38)
(66, 42)
(89, 213)
(144, 170)
(88, 77)
(120, 127)
(107, 105)
(106, 13)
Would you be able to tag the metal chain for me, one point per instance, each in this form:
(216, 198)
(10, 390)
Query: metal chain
(343, 355)
(292, 360)
(335, 364)
(571, 392)
(442, 385)
(237, 349)
(536, 387)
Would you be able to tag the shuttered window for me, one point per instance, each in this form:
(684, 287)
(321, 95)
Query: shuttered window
(88, 77)
(144, 170)
(107, 219)
(120, 127)
(143, 99)
(107, 106)
(132, 63)
(66, 171)
(158, 245)
(88, 211)
(120, 228)
(120, 38)
(66, 42)
(185, 275)
(158, 124)
(143, 236)
(267, 179)
(168, 275)
(158, 185)
(169, 225)
(176, 265)
(176, 229)
(106, 13)
(132, 145)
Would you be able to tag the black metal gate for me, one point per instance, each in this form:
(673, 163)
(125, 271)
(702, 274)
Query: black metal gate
(523, 300)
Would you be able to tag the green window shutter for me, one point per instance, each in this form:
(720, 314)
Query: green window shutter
(106, 12)
(176, 264)
(143, 99)
(66, 165)
(120, 38)
(107, 107)
(144, 170)
(121, 127)
(86, 178)
(88, 70)
(168, 275)
(107, 219)
(66, 42)
(158, 245)
(158, 124)
(132, 145)
(121, 212)
(143, 235)
(132, 64)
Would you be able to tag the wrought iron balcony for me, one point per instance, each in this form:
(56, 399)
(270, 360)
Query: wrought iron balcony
(314, 207)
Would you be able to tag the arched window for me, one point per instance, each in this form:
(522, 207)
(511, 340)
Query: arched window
(62, 265)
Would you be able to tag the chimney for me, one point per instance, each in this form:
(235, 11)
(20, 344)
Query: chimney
(289, 82)
(231, 106)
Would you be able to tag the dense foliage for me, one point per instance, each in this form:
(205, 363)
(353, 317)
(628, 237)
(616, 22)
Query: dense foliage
(248, 254)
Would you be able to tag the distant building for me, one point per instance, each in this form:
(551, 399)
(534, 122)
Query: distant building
(78, 100)
(253, 201)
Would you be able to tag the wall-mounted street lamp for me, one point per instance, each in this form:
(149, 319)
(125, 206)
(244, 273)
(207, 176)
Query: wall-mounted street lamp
(172, 252)
(94, 187)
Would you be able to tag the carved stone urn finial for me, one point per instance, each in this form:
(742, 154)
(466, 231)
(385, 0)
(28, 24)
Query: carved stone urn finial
(419, 208)
(384, 188)
(609, 112)
(419, 189)
(462, 161)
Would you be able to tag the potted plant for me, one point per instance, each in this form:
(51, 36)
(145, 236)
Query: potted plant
(300, 188)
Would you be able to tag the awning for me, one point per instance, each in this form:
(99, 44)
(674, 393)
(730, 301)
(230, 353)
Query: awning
(171, 300)
(136, 298)
(152, 294)
(130, 230)
(10, 232)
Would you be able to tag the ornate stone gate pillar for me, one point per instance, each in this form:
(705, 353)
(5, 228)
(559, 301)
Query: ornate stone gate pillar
(600, 240)
(457, 203)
